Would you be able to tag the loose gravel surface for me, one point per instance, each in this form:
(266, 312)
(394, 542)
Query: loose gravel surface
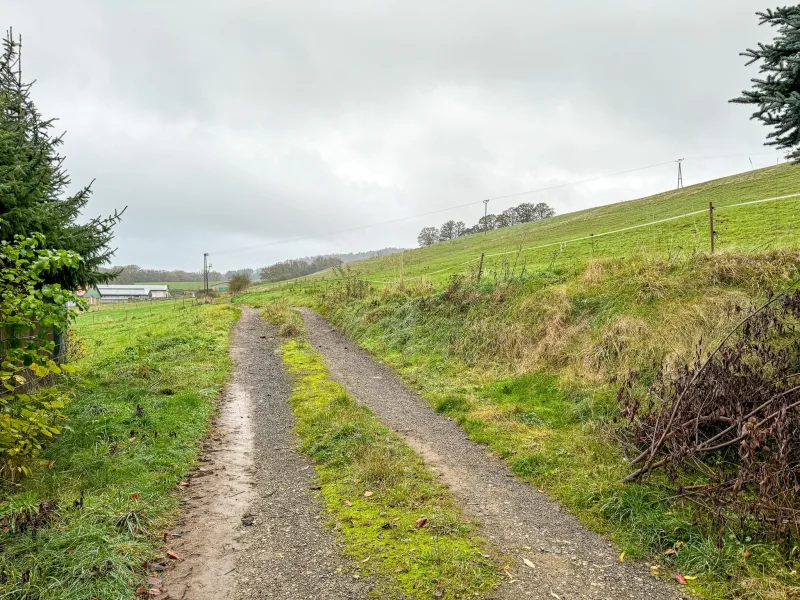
(568, 561)
(253, 526)
(290, 554)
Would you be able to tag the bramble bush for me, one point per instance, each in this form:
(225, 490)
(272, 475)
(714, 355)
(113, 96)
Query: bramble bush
(31, 313)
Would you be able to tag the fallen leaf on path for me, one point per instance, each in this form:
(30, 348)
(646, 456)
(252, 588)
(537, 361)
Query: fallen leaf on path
(554, 595)
(678, 545)
(528, 563)
(622, 557)
(172, 554)
(183, 484)
(679, 578)
(421, 522)
(348, 503)
(155, 582)
(690, 577)
(670, 551)
(367, 494)
(506, 571)
(140, 591)
(134, 496)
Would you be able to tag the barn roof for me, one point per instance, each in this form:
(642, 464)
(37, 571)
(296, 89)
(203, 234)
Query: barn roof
(123, 290)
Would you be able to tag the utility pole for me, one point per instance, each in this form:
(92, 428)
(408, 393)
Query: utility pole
(680, 173)
(485, 214)
(205, 273)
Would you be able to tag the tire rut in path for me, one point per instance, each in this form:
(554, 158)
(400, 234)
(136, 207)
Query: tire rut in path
(286, 552)
(569, 561)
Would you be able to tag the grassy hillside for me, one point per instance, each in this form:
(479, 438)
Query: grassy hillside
(753, 227)
(527, 364)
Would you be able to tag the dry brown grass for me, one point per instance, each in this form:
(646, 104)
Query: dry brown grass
(594, 273)
(290, 322)
(754, 272)
(623, 342)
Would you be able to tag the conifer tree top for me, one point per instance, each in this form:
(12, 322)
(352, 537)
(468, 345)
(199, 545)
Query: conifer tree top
(777, 95)
(34, 184)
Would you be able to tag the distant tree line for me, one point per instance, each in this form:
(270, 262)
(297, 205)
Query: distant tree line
(524, 213)
(251, 274)
(355, 256)
(289, 269)
(129, 274)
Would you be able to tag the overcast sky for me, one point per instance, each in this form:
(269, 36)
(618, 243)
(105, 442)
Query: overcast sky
(256, 130)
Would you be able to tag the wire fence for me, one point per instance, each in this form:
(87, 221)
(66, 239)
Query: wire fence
(705, 236)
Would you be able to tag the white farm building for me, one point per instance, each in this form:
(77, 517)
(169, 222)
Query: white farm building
(109, 294)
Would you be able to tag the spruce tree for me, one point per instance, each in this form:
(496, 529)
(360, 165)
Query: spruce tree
(777, 95)
(34, 182)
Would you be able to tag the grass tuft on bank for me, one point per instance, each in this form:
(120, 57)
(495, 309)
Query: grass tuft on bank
(82, 524)
(376, 489)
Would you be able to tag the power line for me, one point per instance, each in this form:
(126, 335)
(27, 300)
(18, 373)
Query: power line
(485, 202)
(441, 210)
(564, 243)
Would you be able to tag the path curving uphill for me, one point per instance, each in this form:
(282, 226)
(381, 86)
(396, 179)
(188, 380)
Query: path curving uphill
(564, 560)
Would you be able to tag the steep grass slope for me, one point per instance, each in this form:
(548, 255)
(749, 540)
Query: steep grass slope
(751, 227)
(527, 364)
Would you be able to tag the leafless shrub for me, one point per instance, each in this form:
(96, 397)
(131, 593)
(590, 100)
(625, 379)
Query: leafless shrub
(733, 415)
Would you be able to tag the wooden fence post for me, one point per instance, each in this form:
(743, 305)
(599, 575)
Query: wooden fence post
(480, 267)
(711, 224)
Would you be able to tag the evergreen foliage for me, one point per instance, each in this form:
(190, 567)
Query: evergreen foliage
(34, 183)
(777, 96)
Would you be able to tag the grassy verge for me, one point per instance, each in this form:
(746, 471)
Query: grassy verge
(377, 489)
(81, 528)
(527, 368)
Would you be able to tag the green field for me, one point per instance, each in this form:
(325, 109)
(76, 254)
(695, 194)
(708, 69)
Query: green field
(93, 513)
(753, 227)
(526, 364)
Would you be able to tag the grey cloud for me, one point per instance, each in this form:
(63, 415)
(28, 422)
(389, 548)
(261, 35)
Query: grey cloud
(226, 125)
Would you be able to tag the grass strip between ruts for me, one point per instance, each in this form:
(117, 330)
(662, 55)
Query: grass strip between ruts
(378, 491)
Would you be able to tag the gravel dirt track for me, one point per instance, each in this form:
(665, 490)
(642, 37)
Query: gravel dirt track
(253, 526)
(569, 562)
